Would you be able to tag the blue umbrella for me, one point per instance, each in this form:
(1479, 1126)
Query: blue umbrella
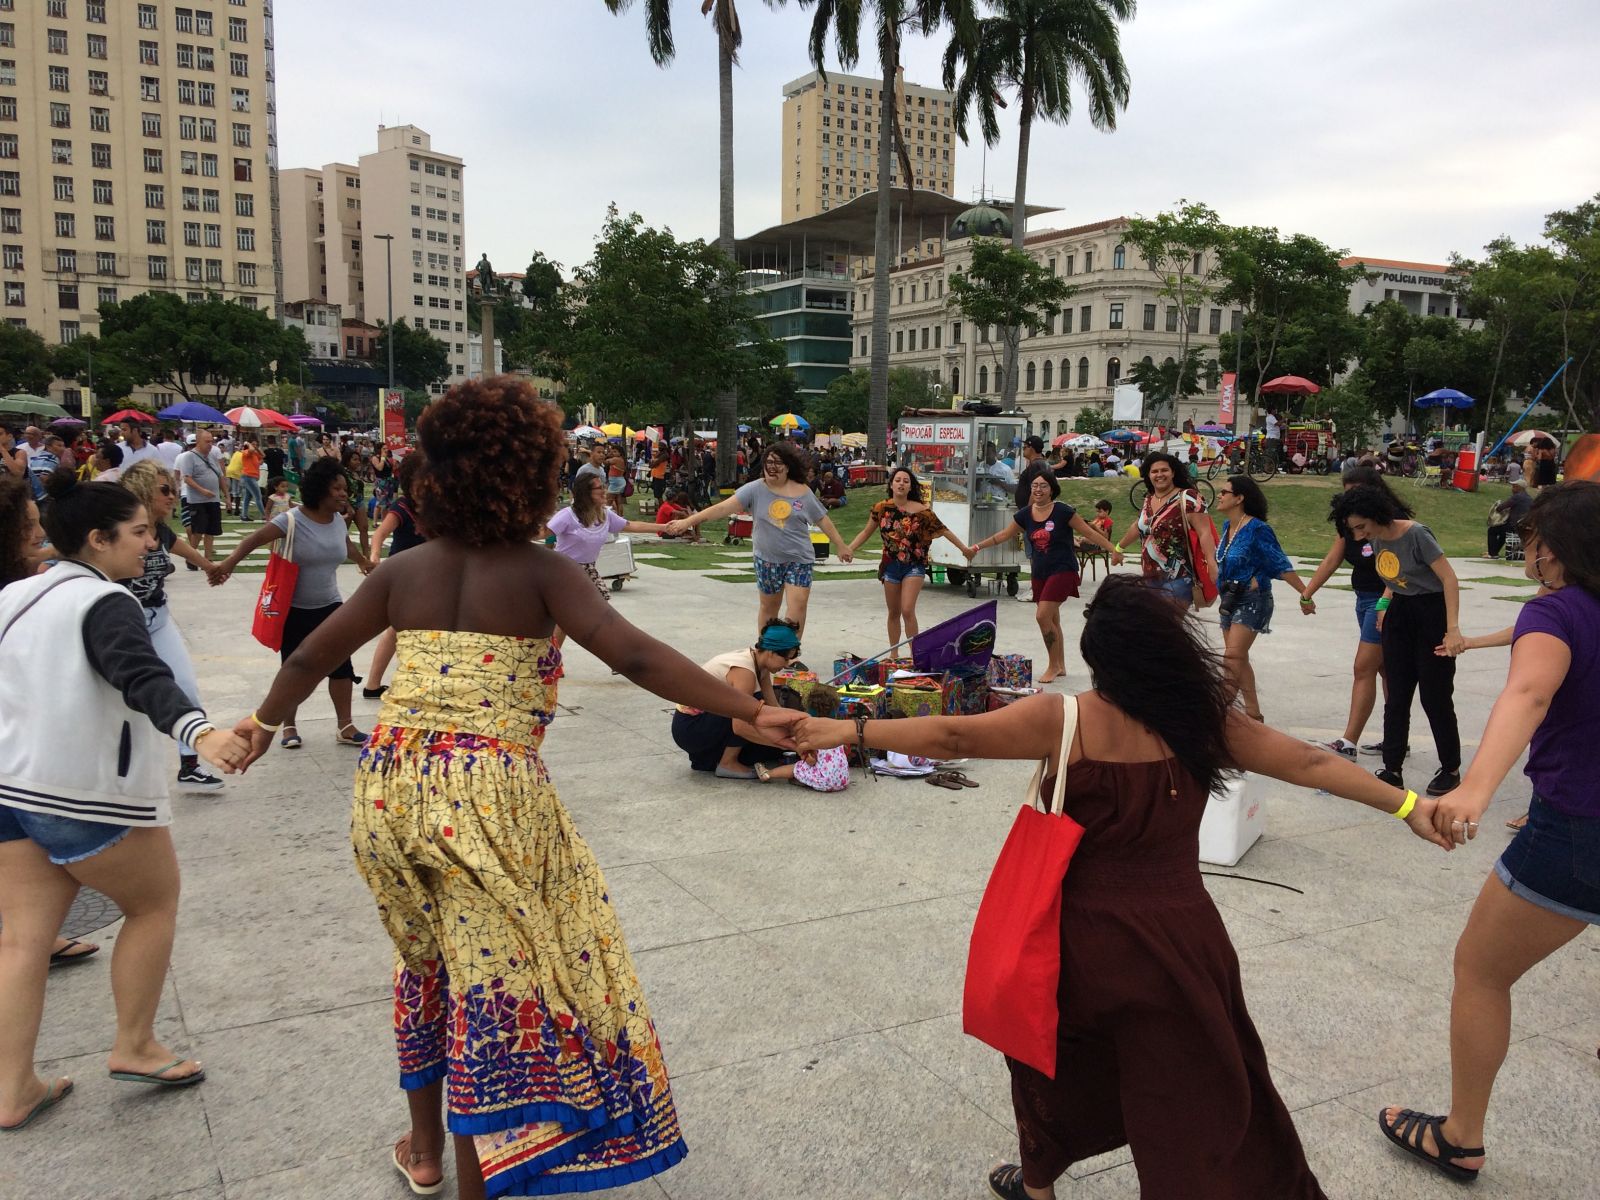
(1444, 398)
(1121, 435)
(192, 410)
(1212, 430)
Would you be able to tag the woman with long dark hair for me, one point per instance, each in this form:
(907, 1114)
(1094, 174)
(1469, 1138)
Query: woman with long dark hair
(1545, 888)
(1367, 670)
(908, 527)
(1418, 611)
(1047, 526)
(1171, 511)
(1156, 1049)
(581, 529)
(1249, 558)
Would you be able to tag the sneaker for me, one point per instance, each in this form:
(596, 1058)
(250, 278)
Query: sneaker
(1341, 746)
(1444, 781)
(194, 777)
(1392, 778)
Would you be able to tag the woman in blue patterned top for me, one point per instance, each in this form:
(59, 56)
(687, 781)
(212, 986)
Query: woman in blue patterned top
(1248, 560)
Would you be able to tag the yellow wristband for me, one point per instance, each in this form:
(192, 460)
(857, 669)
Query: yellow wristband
(263, 725)
(1404, 810)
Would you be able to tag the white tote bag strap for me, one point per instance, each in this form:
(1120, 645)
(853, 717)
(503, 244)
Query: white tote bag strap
(287, 553)
(1069, 727)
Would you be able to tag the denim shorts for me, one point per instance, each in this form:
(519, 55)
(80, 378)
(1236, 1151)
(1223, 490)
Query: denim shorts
(1253, 610)
(894, 571)
(64, 839)
(1554, 862)
(773, 577)
(616, 485)
(1367, 617)
(1180, 589)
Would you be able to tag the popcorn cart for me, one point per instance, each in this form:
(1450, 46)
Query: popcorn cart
(957, 456)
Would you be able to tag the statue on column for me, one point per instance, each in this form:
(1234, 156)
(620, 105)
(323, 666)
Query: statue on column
(487, 284)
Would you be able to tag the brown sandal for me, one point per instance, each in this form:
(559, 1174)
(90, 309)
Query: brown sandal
(406, 1162)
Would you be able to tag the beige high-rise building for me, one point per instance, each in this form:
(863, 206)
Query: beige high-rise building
(138, 147)
(335, 223)
(829, 135)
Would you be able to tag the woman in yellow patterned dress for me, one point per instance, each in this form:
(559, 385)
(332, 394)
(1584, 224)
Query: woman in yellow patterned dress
(516, 1001)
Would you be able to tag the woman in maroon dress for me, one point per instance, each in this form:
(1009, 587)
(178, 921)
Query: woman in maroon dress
(1156, 1049)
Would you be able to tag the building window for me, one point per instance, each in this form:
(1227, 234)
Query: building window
(241, 170)
(1088, 261)
(12, 259)
(1119, 258)
(1194, 320)
(16, 295)
(1149, 316)
(1083, 372)
(150, 124)
(155, 232)
(8, 145)
(66, 225)
(938, 332)
(1172, 318)
(202, 23)
(147, 16)
(104, 296)
(241, 134)
(8, 108)
(67, 262)
(983, 378)
(191, 233)
(214, 236)
(191, 199)
(239, 64)
(192, 268)
(899, 341)
(1235, 321)
(56, 41)
(156, 266)
(188, 162)
(1113, 371)
(1083, 317)
(185, 91)
(94, 42)
(1195, 264)
(99, 85)
(244, 205)
(1031, 378)
(150, 89)
(207, 95)
(63, 187)
(213, 270)
(61, 116)
(10, 218)
(67, 295)
(1114, 321)
(11, 185)
(238, 30)
(239, 99)
(208, 165)
(210, 200)
(246, 239)
(102, 191)
(1216, 320)
(105, 263)
(150, 54)
(70, 329)
(208, 129)
(95, 11)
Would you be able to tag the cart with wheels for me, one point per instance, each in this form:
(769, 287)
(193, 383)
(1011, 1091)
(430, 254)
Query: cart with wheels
(956, 456)
(615, 562)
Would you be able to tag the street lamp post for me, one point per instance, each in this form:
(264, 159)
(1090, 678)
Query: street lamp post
(388, 262)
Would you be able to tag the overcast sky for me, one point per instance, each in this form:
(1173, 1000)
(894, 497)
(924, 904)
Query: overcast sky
(1395, 128)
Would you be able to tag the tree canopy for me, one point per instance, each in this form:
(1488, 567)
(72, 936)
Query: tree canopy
(846, 405)
(1180, 246)
(1006, 288)
(25, 361)
(419, 357)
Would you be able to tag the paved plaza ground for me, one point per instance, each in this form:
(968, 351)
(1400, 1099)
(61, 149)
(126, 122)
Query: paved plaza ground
(802, 953)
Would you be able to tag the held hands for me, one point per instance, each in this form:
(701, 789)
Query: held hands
(846, 554)
(678, 528)
(819, 733)
(1454, 644)
(779, 724)
(228, 752)
(970, 551)
(1116, 558)
(1455, 816)
(217, 574)
(1423, 820)
(1308, 608)
(258, 739)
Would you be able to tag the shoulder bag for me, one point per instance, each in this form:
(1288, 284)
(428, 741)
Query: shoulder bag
(1014, 960)
(277, 590)
(1200, 570)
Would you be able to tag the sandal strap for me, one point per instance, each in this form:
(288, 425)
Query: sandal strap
(1410, 1126)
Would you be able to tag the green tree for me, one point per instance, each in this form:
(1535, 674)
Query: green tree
(202, 351)
(1171, 381)
(846, 404)
(86, 362)
(415, 401)
(1574, 307)
(1350, 407)
(888, 22)
(1038, 48)
(1092, 420)
(660, 327)
(540, 341)
(25, 361)
(1006, 288)
(287, 396)
(419, 358)
(1181, 247)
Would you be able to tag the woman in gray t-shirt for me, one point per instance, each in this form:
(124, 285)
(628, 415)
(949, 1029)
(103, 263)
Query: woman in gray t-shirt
(321, 543)
(783, 508)
(1419, 611)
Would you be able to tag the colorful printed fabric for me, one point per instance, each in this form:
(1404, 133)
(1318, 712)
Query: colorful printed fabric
(513, 983)
(773, 577)
(1166, 535)
(907, 537)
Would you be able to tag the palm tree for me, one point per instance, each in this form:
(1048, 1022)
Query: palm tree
(891, 21)
(724, 16)
(1039, 48)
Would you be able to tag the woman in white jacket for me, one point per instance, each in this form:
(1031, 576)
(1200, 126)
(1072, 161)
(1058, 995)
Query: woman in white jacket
(98, 816)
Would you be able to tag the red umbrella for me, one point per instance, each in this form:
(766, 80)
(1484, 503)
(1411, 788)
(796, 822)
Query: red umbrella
(128, 414)
(1290, 385)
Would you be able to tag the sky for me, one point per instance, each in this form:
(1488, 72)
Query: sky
(1392, 128)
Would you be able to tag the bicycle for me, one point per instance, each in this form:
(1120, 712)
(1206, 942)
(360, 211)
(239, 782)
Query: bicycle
(1140, 489)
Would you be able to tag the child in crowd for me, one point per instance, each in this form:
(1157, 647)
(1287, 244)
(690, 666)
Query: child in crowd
(674, 507)
(278, 500)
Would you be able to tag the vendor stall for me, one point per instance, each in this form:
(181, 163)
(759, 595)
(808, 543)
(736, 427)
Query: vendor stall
(958, 457)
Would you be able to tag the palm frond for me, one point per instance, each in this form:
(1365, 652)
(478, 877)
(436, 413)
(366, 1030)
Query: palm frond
(657, 24)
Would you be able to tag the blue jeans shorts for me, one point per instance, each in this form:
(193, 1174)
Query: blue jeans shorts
(773, 577)
(1554, 862)
(1367, 617)
(894, 571)
(1180, 589)
(64, 839)
(1253, 610)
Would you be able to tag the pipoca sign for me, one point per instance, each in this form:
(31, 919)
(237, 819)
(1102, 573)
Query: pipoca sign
(943, 433)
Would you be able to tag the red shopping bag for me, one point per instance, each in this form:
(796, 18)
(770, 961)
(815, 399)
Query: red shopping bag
(1014, 961)
(277, 590)
(1205, 578)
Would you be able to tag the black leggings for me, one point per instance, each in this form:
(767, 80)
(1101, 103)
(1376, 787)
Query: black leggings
(1412, 627)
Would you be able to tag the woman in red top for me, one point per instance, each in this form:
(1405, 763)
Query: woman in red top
(908, 527)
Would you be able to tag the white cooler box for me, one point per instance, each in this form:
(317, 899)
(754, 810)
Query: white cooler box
(1234, 818)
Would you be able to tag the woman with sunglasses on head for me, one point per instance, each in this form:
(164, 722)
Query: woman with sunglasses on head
(1249, 558)
(1545, 888)
(157, 490)
(1171, 512)
(784, 508)
(907, 526)
(1047, 527)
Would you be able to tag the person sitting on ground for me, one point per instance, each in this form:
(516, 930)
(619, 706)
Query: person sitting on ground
(1095, 470)
(1507, 515)
(831, 491)
(725, 746)
(675, 508)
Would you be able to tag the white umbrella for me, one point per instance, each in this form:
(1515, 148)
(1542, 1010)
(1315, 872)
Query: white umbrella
(1523, 436)
(588, 431)
(1086, 441)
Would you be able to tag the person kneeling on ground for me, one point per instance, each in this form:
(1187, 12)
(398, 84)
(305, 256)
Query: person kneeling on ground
(729, 748)
(676, 507)
(831, 491)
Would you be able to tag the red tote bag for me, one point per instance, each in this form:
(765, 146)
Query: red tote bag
(1014, 961)
(277, 590)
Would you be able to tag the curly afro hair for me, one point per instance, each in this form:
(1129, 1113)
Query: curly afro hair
(494, 453)
(15, 496)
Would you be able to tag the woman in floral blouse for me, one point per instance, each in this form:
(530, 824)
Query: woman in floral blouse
(908, 527)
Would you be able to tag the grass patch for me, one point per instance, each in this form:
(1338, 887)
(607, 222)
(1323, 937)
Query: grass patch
(1505, 581)
(1513, 599)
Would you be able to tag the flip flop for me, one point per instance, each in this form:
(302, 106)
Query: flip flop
(53, 1095)
(159, 1077)
(939, 779)
(62, 958)
(960, 778)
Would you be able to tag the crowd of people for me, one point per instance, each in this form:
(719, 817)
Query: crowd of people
(499, 917)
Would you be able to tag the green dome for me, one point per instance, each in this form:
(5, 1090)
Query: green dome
(981, 220)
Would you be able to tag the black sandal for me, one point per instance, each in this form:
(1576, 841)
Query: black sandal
(1407, 1131)
(1005, 1182)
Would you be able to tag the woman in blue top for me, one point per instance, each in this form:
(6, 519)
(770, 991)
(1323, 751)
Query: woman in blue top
(1248, 560)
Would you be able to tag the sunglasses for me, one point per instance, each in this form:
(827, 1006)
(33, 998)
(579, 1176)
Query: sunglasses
(165, 489)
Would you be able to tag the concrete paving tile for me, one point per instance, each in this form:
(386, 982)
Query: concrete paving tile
(890, 965)
(1543, 1142)
(655, 911)
(368, 1175)
(963, 1064)
(756, 890)
(111, 1139)
(1398, 853)
(1584, 1035)
(312, 1088)
(729, 999)
(79, 1015)
(853, 1118)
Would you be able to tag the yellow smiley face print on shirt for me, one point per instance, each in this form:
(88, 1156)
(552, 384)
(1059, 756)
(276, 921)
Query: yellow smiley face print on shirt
(1388, 565)
(778, 511)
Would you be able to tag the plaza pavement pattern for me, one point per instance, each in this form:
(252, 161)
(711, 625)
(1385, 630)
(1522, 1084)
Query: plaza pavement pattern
(802, 953)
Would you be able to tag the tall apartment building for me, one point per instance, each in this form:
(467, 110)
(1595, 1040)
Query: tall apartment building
(335, 222)
(138, 151)
(830, 129)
